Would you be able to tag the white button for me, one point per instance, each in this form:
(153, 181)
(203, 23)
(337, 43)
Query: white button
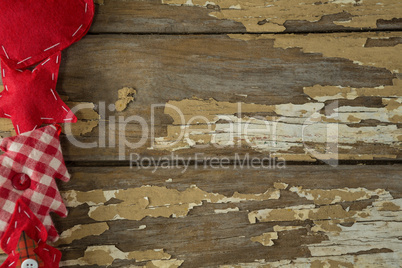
(29, 263)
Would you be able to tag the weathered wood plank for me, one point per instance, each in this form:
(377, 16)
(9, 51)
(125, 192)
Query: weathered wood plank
(206, 217)
(292, 97)
(210, 201)
(232, 16)
(154, 17)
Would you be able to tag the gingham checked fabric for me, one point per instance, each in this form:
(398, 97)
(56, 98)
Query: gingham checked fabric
(37, 154)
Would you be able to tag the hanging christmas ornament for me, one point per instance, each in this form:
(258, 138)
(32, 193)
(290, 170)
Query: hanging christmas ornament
(29, 166)
(30, 98)
(35, 32)
(24, 224)
(32, 31)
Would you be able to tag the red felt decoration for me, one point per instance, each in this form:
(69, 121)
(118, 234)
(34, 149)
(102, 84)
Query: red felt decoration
(32, 30)
(37, 156)
(29, 97)
(24, 220)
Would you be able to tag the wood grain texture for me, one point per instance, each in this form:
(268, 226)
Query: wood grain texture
(270, 86)
(268, 95)
(352, 214)
(232, 16)
(243, 90)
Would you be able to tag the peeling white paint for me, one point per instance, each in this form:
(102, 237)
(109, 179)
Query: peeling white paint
(391, 260)
(294, 127)
(227, 210)
(110, 194)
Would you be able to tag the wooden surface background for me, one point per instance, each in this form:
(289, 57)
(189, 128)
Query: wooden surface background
(316, 85)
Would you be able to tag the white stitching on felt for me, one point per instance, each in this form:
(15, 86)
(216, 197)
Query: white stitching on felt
(68, 119)
(38, 228)
(54, 95)
(24, 60)
(13, 261)
(6, 87)
(64, 108)
(46, 249)
(77, 30)
(15, 225)
(57, 59)
(5, 52)
(54, 258)
(45, 61)
(7, 115)
(18, 128)
(46, 118)
(51, 47)
(52, 76)
(26, 213)
(86, 7)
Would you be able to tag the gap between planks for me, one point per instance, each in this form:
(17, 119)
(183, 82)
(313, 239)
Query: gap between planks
(248, 33)
(127, 163)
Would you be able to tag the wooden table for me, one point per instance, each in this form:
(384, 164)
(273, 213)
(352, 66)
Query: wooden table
(181, 104)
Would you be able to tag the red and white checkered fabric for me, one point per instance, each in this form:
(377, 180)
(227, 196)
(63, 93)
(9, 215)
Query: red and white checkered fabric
(37, 154)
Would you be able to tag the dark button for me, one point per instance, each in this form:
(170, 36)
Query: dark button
(21, 181)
